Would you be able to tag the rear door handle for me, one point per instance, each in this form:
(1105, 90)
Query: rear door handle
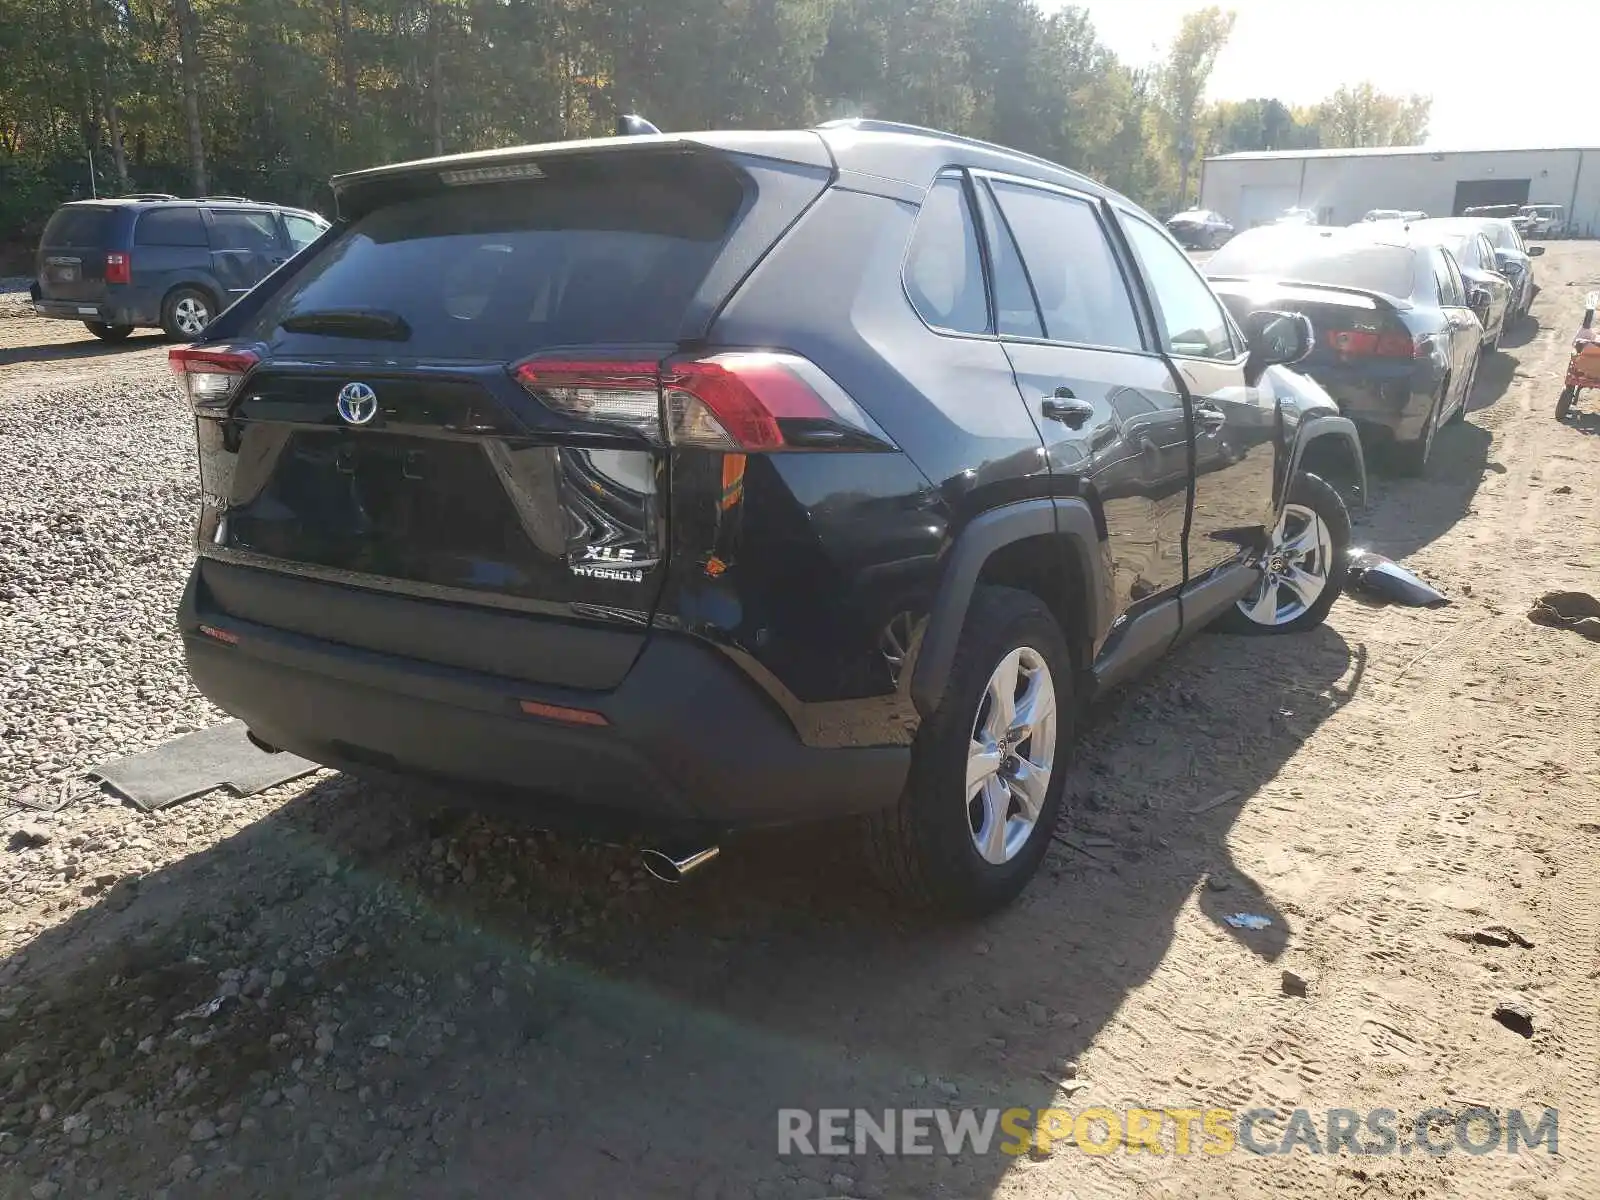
(1210, 415)
(1063, 406)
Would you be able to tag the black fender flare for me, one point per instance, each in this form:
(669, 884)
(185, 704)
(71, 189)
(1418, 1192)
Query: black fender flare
(1069, 518)
(1316, 428)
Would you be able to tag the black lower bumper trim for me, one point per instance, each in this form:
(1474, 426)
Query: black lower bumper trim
(690, 740)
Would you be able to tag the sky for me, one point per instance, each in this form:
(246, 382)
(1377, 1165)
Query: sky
(1496, 80)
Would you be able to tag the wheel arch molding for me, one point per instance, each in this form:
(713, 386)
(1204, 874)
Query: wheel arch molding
(1068, 522)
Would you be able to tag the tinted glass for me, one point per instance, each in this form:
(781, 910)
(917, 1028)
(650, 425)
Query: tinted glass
(1296, 256)
(234, 230)
(170, 227)
(944, 271)
(501, 271)
(78, 227)
(1016, 313)
(302, 230)
(1192, 317)
(1080, 289)
(1458, 289)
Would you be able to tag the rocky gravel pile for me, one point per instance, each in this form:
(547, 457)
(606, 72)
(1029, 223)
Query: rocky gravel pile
(14, 300)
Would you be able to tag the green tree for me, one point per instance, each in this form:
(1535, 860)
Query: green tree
(1184, 76)
(1364, 116)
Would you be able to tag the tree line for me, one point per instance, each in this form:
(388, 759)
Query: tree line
(267, 98)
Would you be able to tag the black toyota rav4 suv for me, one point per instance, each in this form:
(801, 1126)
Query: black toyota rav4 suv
(732, 479)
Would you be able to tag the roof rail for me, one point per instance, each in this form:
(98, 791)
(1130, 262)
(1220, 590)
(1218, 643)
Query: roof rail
(148, 196)
(234, 199)
(873, 125)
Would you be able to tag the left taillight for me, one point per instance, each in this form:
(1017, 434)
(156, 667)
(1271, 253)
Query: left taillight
(119, 267)
(746, 400)
(210, 376)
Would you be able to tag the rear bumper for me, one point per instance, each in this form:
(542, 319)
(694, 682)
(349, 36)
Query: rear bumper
(89, 310)
(691, 743)
(1393, 411)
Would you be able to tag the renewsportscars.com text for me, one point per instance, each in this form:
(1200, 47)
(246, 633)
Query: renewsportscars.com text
(1378, 1131)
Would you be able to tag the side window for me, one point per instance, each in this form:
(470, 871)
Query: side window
(235, 230)
(170, 227)
(1441, 276)
(944, 271)
(1081, 292)
(302, 230)
(1016, 310)
(1458, 289)
(1486, 253)
(1193, 321)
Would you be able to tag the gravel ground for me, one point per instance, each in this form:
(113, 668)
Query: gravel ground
(352, 989)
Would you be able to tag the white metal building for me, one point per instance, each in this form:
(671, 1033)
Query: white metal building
(1254, 188)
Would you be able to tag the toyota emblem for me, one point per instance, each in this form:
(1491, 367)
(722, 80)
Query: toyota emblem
(358, 403)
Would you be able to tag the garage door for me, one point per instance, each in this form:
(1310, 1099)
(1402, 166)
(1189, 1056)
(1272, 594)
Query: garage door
(1262, 204)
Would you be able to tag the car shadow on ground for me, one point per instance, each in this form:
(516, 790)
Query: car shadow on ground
(1520, 334)
(656, 1053)
(90, 347)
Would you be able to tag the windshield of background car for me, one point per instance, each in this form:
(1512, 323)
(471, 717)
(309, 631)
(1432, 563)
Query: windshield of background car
(1292, 256)
(500, 271)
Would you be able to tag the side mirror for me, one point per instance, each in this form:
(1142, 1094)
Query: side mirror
(1535, 251)
(1276, 339)
(1478, 300)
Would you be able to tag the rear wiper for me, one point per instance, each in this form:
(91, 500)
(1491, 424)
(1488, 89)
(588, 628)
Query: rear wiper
(350, 322)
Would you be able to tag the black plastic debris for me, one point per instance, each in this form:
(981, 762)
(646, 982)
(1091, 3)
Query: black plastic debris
(1381, 578)
(1515, 1017)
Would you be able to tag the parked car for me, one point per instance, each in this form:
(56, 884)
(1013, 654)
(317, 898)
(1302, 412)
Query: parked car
(1474, 254)
(156, 261)
(1541, 220)
(1297, 216)
(1513, 257)
(1384, 214)
(1397, 337)
(1497, 211)
(1200, 229)
(731, 479)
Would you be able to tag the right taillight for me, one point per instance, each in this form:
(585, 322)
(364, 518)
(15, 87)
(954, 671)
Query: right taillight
(1371, 343)
(743, 400)
(119, 267)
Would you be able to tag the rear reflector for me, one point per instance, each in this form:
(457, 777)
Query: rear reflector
(119, 268)
(557, 712)
(740, 401)
(211, 376)
(1370, 343)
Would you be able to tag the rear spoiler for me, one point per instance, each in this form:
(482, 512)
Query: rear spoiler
(357, 192)
(1299, 290)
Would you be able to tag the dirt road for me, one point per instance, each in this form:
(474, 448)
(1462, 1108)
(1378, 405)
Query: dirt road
(332, 991)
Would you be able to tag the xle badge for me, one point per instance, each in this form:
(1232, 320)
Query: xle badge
(619, 564)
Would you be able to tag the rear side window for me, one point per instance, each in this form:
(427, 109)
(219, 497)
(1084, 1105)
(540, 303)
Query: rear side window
(234, 230)
(170, 227)
(944, 271)
(1081, 293)
(78, 227)
(499, 271)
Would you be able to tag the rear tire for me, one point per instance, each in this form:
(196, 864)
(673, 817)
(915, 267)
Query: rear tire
(1320, 554)
(186, 312)
(942, 845)
(108, 333)
(1412, 457)
(1460, 414)
(1564, 402)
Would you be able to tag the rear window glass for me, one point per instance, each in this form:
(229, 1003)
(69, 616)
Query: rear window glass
(170, 227)
(1337, 262)
(499, 271)
(78, 227)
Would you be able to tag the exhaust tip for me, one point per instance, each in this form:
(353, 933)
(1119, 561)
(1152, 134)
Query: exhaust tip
(669, 869)
(264, 747)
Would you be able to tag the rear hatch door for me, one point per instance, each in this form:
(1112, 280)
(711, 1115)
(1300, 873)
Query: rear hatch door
(384, 441)
(72, 252)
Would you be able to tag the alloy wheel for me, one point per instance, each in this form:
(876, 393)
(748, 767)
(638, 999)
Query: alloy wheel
(1011, 755)
(191, 316)
(1294, 571)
